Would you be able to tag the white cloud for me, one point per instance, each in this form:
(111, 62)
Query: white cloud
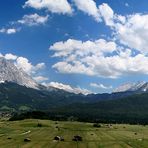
(107, 13)
(54, 6)
(24, 64)
(76, 68)
(8, 31)
(80, 48)
(1, 56)
(119, 18)
(40, 79)
(100, 86)
(33, 19)
(99, 58)
(129, 30)
(11, 31)
(68, 88)
(89, 7)
(40, 66)
(10, 56)
(79, 57)
(134, 32)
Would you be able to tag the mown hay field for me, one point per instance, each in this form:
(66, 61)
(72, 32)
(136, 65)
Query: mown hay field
(41, 134)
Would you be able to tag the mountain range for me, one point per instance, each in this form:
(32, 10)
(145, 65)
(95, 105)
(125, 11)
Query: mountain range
(133, 87)
(19, 93)
(10, 73)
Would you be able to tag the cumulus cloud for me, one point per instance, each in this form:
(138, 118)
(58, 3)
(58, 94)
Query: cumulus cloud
(40, 66)
(9, 30)
(33, 19)
(10, 56)
(27, 66)
(134, 32)
(80, 48)
(68, 88)
(24, 64)
(28, 20)
(100, 86)
(99, 58)
(129, 30)
(107, 13)
(82, 57)
(89, 7)
(40, 79)
(33, 70)
(54, 6)
(99, 13)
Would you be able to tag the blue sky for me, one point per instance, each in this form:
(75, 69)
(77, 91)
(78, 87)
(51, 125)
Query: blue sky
(88, 46)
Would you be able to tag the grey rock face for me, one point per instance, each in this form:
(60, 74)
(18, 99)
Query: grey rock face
(9, 72)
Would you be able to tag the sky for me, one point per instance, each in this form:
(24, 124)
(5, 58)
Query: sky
(87, 46)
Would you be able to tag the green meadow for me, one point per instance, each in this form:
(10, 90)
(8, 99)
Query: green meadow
(13, 133)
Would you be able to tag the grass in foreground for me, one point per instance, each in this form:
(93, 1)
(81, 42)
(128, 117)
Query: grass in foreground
(12, 135)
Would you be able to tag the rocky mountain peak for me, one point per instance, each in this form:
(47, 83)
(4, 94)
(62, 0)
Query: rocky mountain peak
(9, 72)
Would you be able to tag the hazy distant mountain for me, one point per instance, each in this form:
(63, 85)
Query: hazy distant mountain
(134, 87)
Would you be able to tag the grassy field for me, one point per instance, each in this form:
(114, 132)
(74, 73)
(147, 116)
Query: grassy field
(12, 135)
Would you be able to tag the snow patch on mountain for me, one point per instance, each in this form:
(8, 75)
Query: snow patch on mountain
(138, 86)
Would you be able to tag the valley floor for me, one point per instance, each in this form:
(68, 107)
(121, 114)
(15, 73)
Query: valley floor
(12, 135)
